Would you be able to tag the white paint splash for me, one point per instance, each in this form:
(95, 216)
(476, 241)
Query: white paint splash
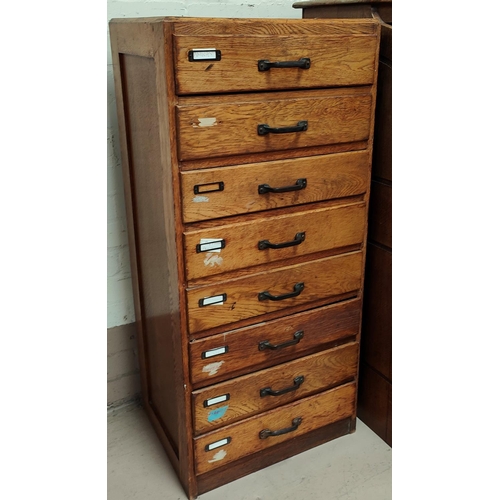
(212, 260)
(206, 122)
(218, 456)
(212, 368)
(201, 199)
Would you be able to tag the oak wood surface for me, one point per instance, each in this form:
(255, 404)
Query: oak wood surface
(334, 61)
(320, 328)
(315, 411)
(286, 449)
(151, 139)
(328, 176)
(320, 371)
(215, 129)
(323, 229)
(322, 278)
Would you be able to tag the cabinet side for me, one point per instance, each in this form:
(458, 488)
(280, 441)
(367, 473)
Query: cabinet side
(141, 96)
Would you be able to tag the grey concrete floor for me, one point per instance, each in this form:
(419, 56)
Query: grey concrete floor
(353, 467)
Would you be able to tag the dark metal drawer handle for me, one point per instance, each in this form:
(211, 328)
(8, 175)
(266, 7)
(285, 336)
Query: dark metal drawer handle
(303, 63)
(264, 128)
(299, 238)
(297, 289)
(266, 188)
(264, 434)
(297, 382)
(265, 344)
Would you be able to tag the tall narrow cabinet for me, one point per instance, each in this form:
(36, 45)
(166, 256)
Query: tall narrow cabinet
(246, 150)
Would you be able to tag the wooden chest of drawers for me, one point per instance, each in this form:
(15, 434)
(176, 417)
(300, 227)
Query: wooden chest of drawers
(246, 152)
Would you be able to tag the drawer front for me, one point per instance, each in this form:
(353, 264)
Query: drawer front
(241, 351)
(252, 435)
(231, 301)
(237, 246)
(211, 129)
(220, 192)
(224, 403)
(333, 61)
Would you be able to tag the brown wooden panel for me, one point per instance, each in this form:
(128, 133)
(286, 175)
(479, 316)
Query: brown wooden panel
(159, 301)
(334, 61)
(320, 229)
(380, 216)
(376, 339)
(230, 401)
(327, 176)
(315, 411)
(321, 278)
(237, 352)
(373, 400)
(217, 129)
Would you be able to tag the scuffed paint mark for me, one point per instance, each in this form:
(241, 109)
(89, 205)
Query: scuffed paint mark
(205, 122)
(217, 413)
(201, 199)
(212, 368)
(209, 67)
(218, 456)
(213, 259)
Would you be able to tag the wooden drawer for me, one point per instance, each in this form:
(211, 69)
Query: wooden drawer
(243, 438)
(227, 302)
(241, 351)
(227, 402)
(236, 246)
(229, 126)
(333, 61)
(220, 192)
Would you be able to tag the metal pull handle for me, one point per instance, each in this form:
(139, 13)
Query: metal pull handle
(299, 238)
(265, 65)
(297, 382)
(265, 344)
(297, 289)
(266, 188)
(264, 128)
(264, 434)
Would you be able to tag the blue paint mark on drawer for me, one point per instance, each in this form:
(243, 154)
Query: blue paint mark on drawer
(217, 413)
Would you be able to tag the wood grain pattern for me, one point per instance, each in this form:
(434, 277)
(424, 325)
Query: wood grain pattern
(233, 126)
(321, 371)
(323, 229)
(246, 27)
(322, 278)
(321, 327)
(328, 176)
(335, 61)
(315, 411)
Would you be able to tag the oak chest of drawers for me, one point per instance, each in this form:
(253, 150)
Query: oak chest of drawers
(246, 151)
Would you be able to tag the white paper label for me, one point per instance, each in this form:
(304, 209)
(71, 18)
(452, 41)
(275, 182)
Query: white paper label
(216, 300)
(215, 352)
(216, 400)
(204, 54)
(217, 444)
(210, 244)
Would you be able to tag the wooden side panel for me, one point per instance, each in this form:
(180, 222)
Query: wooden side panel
(230, 128)
(237, 352)
(317, 230)
(315, 412)
(321, 278)
(327, 177)
(159, 300)
(334, 61)
(242, 397)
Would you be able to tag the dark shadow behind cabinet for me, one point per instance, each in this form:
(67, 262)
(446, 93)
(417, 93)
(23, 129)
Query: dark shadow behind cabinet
(375, 378)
